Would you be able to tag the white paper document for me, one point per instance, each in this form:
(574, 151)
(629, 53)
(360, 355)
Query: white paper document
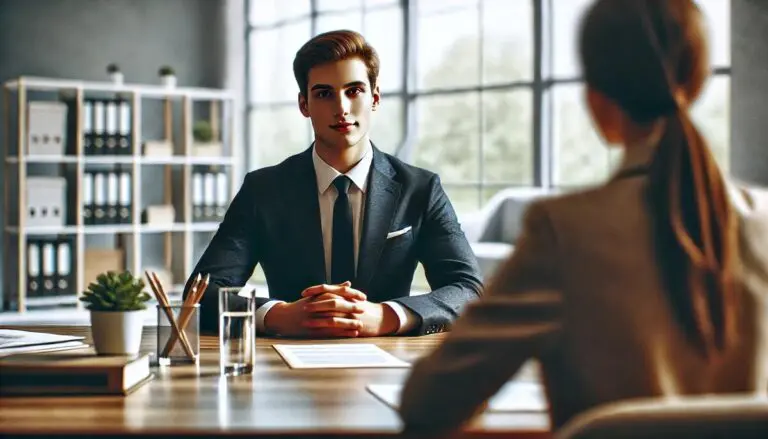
(66, 346)
(11, 338)
(337, 356)
(515, 396)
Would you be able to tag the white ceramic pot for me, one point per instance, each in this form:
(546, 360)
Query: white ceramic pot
(116, 77)
(117, 332)
(168, 80)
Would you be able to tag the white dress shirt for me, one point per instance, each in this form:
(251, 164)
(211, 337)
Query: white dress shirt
(327, 194)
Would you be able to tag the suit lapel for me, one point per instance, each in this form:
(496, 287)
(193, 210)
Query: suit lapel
(305, 214)
(380, 202)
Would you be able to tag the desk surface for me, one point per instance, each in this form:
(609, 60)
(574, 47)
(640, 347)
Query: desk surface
(275, 401)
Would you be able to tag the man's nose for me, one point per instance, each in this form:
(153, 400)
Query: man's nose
(342, 105)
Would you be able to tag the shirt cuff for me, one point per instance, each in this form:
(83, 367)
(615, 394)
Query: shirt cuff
(261, 314)
(405, 316)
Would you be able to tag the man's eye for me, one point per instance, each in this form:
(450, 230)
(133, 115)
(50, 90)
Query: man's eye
(322, 94)
(354, 91)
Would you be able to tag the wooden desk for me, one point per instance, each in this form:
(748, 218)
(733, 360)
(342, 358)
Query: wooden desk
(273, 402)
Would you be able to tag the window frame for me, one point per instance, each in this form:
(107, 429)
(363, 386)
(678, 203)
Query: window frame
(542, 85)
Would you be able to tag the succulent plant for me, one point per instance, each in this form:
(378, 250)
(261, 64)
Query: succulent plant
(115, 292)
(166, 71)
(202, 131)
(113, 68)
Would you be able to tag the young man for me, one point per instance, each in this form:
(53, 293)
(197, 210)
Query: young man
(340, 228)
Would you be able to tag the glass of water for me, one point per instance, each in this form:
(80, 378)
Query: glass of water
(237, 330)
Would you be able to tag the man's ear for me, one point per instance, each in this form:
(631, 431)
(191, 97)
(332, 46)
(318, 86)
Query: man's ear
(303, 105)
(376, 98)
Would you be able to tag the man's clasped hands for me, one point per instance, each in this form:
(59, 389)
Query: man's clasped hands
(331, 311)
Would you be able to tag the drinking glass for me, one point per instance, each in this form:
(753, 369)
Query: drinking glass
(237, 330)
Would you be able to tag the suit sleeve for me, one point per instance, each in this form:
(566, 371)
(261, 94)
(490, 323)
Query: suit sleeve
(449, 263)
(518, 317)
(231, 255)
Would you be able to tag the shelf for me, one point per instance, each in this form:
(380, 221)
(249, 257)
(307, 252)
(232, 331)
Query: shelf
(109, 160)
(44, 159)
(33, 302)
(116, 228)
(226, 161)
(146, 90)
(180, 240)
(44, 230)
(204, 227)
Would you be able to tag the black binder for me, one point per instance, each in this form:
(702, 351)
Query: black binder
(124, 127)
(124, 198)
(88, 198)
(197, 196)
(111, 132)
(99, 198)
(48, 267)
(65, 279)
(112, 197)
(34, 269)
(99, 137)
(88, 148)
(209, 196)
(221, 195)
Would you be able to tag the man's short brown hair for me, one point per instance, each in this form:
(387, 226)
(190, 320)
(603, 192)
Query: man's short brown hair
(334, 46)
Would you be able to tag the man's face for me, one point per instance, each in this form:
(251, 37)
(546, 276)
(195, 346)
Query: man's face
(339, 102)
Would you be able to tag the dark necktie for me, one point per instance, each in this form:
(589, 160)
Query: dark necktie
(343, 243)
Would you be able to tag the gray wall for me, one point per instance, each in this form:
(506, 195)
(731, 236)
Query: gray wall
(749, 90)
(78, 38)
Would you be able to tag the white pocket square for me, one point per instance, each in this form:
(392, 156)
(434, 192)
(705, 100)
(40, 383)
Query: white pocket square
(397, 233)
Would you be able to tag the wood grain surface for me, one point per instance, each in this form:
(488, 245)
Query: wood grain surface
(275, 401)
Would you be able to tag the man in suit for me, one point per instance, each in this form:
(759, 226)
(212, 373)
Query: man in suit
(339, 228)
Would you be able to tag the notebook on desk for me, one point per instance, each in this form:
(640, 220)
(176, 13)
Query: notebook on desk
(72, 373)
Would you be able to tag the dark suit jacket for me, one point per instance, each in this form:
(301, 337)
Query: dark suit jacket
(274, 220)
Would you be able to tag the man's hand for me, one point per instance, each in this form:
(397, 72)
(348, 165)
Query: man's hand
(291, 319)
(331, 310)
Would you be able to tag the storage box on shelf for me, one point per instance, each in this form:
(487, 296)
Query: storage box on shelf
(77, 168)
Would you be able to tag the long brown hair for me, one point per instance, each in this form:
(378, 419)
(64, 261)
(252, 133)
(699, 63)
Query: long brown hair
(650, 57)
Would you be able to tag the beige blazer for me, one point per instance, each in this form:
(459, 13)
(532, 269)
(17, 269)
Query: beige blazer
(582, 294)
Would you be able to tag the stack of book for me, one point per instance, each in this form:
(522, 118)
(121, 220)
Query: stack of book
(34, 363)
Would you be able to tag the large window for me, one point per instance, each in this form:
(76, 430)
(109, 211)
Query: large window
(487, 93)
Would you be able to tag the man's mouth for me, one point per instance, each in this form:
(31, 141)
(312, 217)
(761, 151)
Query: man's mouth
(344, 127)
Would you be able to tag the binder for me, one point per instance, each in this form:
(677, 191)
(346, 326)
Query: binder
(111, 133)
(221, 195)
(64, 276)
(112, 197)
(49, 268)
(99, 198)
(87, 198)
(34, 269)
(98, 127)
(209, 196)
(124, 128)
(88, 127)
(197, 196)
(124, 199)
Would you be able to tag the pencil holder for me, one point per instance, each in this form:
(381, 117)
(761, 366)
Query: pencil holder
(178, 341)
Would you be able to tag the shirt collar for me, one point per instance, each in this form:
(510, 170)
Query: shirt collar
(326, 173)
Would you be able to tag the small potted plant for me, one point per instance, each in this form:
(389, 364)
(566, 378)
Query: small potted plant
(116, 302)
(203, 144)
(167, 76)
(113, 70)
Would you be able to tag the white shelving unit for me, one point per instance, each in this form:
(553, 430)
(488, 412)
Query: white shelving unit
(177, 173)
